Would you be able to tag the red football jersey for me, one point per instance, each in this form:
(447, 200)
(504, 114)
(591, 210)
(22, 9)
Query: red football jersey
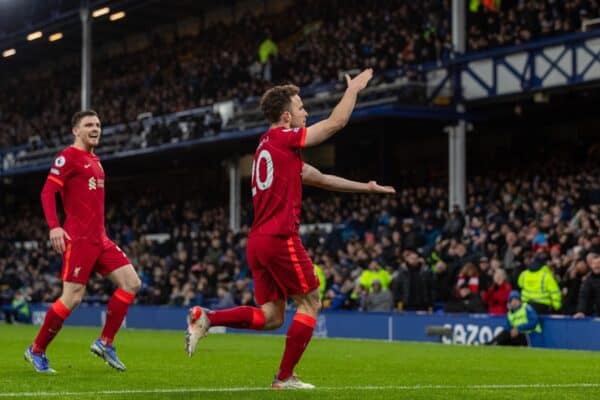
(81, 179)
(277, 182)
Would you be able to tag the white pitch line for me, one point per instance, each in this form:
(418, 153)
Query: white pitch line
(328, 388)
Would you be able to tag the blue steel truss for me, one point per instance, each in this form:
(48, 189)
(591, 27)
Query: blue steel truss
(560, 61)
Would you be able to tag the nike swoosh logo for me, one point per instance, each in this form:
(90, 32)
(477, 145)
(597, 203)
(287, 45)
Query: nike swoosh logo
(87, 165)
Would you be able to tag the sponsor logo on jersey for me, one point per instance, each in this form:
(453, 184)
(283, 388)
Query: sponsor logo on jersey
(60, 161)
(87, 165)
(54, 171)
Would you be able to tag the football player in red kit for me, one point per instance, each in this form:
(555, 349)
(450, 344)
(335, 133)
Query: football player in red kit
(79, 178)
(280, 266)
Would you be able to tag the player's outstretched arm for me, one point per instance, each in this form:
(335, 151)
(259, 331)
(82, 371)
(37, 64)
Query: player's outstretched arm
(321, 131)
(57, 234)
(313, 177)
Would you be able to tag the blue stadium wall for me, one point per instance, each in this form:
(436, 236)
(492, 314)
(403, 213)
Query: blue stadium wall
(558, 332)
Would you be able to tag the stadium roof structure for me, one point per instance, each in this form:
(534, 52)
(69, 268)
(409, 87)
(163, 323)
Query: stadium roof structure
(19, 18)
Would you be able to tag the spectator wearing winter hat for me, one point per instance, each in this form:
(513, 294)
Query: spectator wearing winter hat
(378, 299)
(521, 321)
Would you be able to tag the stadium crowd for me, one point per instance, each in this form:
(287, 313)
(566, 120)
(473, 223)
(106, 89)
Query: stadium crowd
(300, 44)
(404, 252)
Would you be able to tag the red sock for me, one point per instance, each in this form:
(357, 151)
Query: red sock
(55, 316)
(243, 317)
(115, 313)
(298, 335)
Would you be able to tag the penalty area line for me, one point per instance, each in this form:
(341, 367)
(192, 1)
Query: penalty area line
(327, 388)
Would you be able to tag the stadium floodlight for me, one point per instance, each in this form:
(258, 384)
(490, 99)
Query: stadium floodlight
(55, 36)
(8, 53)
(100, 12)
(117, 15)
(34, 35)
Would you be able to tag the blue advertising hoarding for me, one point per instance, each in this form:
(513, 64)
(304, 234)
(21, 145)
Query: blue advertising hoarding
(474, 329)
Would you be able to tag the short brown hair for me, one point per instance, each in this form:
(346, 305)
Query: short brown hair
(79, 115)
(276, 100)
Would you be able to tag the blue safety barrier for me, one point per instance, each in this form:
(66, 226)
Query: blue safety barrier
(558, 332)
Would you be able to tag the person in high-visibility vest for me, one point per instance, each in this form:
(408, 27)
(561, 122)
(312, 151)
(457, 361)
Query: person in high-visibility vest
(322, 280)
(521, 321)
(539, 287)
(18, 309)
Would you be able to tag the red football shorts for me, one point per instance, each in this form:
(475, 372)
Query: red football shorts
(280, 268)
(81, 258)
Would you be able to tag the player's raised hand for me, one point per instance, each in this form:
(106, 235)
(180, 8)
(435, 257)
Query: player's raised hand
(57, 239)
(376, 188)
(360, 81)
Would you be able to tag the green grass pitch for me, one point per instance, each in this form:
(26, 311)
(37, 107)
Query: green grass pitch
(242, 366)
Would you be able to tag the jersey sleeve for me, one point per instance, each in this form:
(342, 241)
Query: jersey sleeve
(62, 168)
(293, 138)
(48, 197)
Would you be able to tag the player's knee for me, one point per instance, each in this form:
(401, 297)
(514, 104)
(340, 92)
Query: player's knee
(314, 301)
(132, 284)
(278, 321)
(273, 320)
(135, 284)
(317, 305)
(72, 299)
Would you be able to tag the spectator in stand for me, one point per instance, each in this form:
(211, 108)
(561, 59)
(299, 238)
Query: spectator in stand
(453, 228)
(441, 292)
(539, 286)
(589, 295)
(337, 296)
(225, 299)
(378, 299)
(467, 298)
(412, 284)
(192, 227)
(496, 296)
(512, 253)
(486, 274)
(571, 285)
(375, 271)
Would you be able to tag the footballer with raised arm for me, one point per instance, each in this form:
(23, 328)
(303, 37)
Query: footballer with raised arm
(280, 266)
